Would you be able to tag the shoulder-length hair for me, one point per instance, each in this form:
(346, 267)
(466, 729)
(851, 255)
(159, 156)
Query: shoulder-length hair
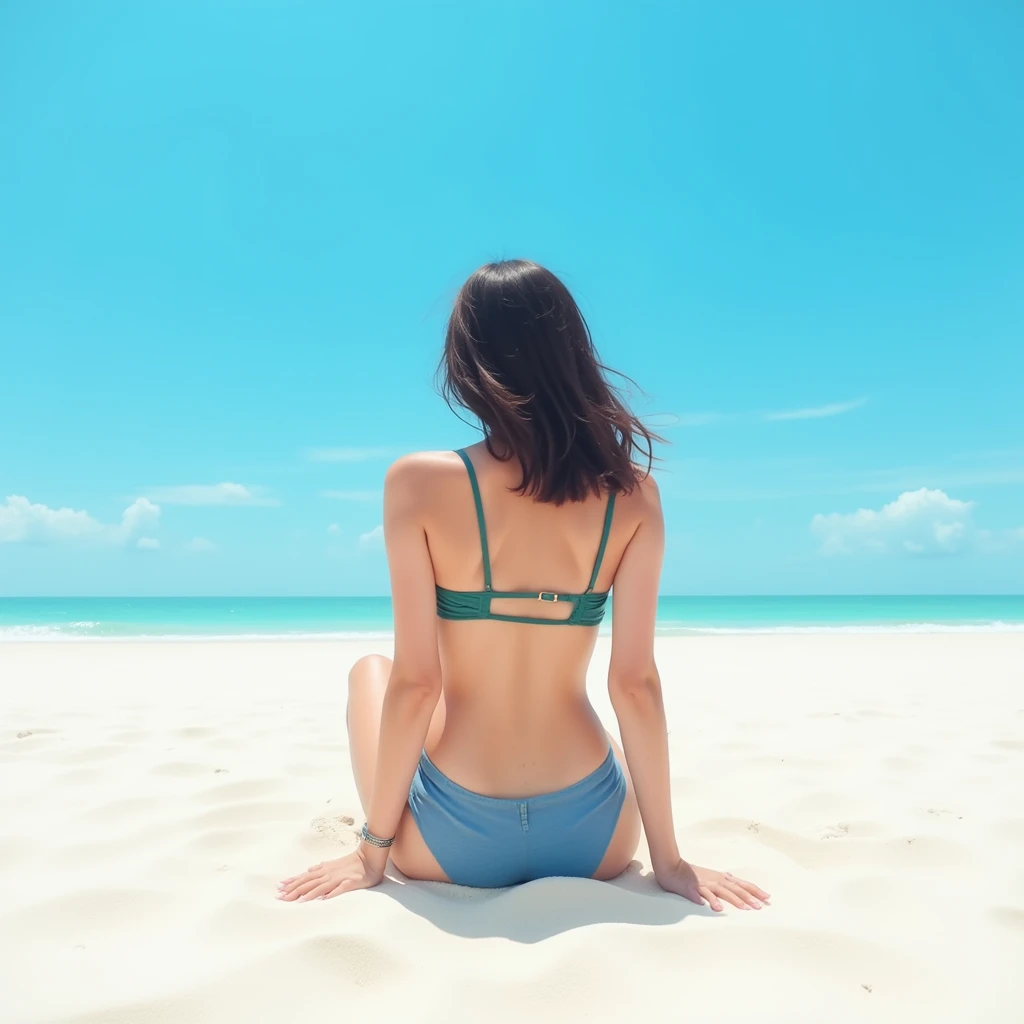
(518, 355)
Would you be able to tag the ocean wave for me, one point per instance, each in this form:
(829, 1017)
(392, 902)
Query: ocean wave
(70, 631)
(86, 632)
(60, 634)
(900, 627)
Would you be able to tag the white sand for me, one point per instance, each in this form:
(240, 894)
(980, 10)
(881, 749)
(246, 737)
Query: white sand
(158, 792)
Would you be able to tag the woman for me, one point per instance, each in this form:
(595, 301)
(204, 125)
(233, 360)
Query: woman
(477, 756)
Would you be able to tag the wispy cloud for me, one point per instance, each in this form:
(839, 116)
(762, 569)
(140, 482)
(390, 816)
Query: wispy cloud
(212, 494)
(373, 538)
(817, 412)
(199, 546)
(710, 419)
(334, 530)
(148, 544)
(21, 521)
(347, 454)
(352, 495)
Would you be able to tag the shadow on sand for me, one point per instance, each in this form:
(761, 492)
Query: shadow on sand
(538, 910)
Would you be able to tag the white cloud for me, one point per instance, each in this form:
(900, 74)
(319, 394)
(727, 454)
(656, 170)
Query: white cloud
(917, 522)
(347, 454)
(139, 514)
(334, 529)
(148, 544)
(352, 495)
(199, 545)
(373, 538)
(24, 522)
(817, 412)
(212, 494)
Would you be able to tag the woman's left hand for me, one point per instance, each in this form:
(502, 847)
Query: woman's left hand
(332, 878)
(707, 886)
(719, 886)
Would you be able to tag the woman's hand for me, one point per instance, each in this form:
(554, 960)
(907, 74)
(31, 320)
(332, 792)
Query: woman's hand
(333, 877)
(703, 885)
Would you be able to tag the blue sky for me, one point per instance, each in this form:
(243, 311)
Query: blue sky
(230, 233)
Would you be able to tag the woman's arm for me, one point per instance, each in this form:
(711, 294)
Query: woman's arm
(412, 692)
(635, 690)
(633, 682)
(415, 682)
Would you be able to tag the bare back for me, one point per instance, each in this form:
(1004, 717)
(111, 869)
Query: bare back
(516, 716)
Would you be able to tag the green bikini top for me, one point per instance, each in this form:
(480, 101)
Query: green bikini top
(588, 607)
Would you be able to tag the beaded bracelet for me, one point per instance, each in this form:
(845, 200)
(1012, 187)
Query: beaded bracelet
(375, 840)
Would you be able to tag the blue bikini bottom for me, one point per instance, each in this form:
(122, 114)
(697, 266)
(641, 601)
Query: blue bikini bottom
(488, 842)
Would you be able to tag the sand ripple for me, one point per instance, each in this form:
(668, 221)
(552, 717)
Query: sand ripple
(141, 840)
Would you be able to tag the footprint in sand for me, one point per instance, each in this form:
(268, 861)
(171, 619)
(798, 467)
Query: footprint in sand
(1009, 917)
(941, 812)
(194, 732)
(1014, 745)
(837, 831)
(26, 739)
(339, 828)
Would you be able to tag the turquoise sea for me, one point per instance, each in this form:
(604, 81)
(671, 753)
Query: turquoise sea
(235, 618)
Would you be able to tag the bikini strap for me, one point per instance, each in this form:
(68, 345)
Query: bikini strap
(609, 512)
(461, 452)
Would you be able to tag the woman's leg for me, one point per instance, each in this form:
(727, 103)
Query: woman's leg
(626, 836)
(367, 682)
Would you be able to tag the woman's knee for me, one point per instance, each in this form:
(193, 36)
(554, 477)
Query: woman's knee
(370, 667)
(367, 681)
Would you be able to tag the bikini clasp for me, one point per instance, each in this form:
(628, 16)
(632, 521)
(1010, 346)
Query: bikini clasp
(547, 595)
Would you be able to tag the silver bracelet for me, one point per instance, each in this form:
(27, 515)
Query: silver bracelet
(375, 840)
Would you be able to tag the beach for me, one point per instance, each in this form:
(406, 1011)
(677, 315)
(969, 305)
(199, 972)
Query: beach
(152, 795)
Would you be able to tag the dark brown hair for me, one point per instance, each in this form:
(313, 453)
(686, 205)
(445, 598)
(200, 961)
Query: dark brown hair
(519, 356)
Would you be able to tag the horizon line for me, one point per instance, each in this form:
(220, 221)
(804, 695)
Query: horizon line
(387, 597)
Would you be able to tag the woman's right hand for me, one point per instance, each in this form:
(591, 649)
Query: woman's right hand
(361, 869)
(705, 885)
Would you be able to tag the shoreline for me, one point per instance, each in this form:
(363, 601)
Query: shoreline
(43, 635)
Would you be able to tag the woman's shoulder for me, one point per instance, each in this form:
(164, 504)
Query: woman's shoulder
(416, 469)
(645, 495)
